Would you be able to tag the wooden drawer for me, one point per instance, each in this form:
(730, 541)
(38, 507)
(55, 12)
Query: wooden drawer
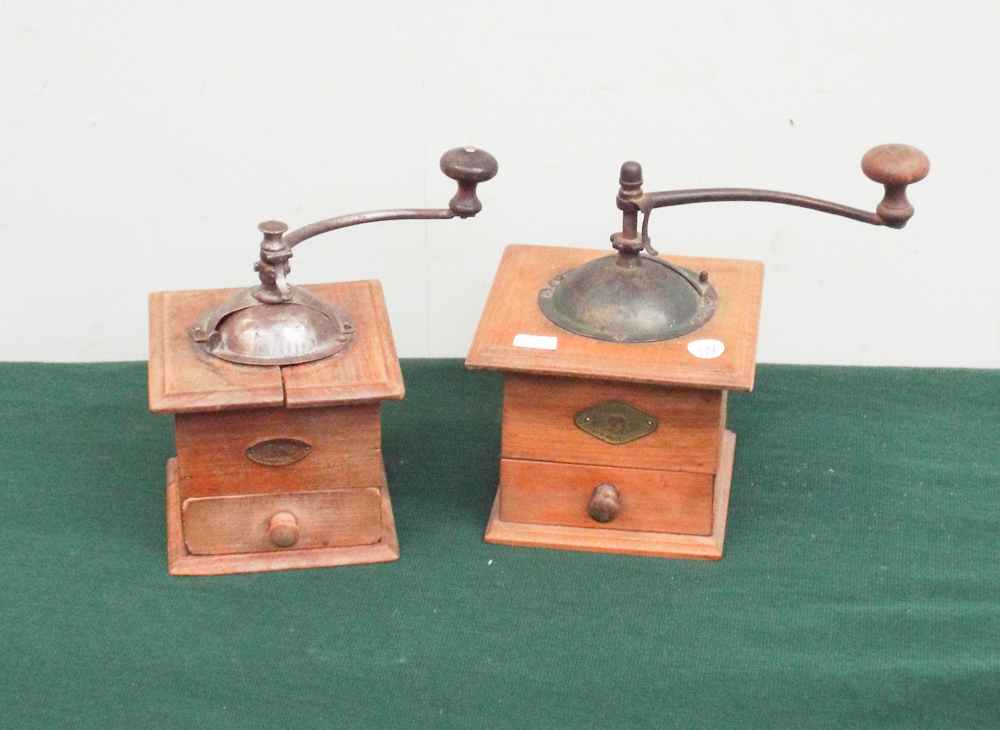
(539, 423)
(336, 518)
(343, 445)
(547, 493)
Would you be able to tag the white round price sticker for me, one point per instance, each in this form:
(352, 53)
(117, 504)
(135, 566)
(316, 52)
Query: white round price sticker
(706, 349)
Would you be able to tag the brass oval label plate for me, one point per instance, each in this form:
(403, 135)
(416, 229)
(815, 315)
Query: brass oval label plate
(278, 452)
(616, 422)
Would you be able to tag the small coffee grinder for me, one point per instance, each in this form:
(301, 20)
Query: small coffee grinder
(276, 391)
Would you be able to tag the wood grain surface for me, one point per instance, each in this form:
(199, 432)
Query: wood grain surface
(182, 562)
(544, 493)
(625, 542)
(368, 371)
(221, 525)
(183, 378)
(212, 461)
(539, 413)
(512, 309)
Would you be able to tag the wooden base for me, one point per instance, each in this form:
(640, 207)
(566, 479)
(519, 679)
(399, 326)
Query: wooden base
(181, 562)
(626, 542)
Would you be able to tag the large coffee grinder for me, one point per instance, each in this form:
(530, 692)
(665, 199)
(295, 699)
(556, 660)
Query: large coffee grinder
(616, 370)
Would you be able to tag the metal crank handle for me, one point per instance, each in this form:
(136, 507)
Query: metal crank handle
(468, 166)
(893, 165)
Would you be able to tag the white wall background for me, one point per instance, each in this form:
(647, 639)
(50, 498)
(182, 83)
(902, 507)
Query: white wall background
(141, 143)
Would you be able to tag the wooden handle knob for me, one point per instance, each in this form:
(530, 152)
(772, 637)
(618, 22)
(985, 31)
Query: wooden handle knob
(895, 166)
(468, 166)
(284, 529)
(604, 503)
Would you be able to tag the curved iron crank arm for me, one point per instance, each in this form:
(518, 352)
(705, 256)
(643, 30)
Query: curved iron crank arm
(895, 166)
(354, 219)
(468, 166)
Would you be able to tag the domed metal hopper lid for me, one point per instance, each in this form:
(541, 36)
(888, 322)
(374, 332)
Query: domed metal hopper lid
(629, 299)
(247, 331)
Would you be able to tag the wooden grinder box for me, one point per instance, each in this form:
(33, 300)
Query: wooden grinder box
(616, 373)
(279, 466)
(570, 400)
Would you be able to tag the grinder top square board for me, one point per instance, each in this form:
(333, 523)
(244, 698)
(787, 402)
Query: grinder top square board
(184, 379)
(512, 310)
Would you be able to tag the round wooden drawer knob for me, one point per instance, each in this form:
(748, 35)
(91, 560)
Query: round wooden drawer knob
(604, 503)
(284, 529)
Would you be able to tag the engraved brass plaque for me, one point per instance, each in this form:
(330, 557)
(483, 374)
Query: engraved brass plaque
(616, 422)
(278, 452)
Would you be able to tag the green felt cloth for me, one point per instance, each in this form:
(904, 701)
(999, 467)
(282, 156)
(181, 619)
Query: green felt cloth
(860, 586)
